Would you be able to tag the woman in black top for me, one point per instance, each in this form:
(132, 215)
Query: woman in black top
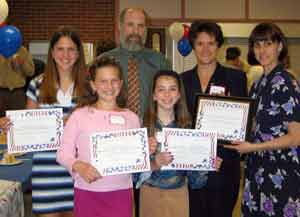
(219, 196)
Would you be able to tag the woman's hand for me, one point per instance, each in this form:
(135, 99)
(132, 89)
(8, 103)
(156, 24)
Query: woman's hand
(218, 163)
(5, 123)
(152, 145)
(291, 139)
(242, 147)
(293, 131)
(163, 158)
(86, 171)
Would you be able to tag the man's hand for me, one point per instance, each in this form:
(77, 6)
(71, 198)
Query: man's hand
(16, 62)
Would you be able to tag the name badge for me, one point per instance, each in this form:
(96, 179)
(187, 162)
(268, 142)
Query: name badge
(116, 119)
(219, 90)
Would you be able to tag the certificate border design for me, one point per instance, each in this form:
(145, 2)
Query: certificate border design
(57, 112)
(206, 164)
(244, 102)
(141, 135)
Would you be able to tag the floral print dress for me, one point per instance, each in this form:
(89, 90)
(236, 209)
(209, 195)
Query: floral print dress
(272, 183)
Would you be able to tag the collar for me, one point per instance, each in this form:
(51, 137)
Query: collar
(159, 125)
(127, 52)
(278, 68)
(217, 76)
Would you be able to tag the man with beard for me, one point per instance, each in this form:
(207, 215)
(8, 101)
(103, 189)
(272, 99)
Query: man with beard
(133, 32)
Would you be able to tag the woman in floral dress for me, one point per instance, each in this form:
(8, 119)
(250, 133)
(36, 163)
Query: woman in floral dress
(272, 184)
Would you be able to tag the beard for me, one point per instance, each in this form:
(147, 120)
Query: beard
(132, 42)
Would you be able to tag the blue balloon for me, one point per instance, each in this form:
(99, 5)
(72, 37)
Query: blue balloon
(184, 47)
(10, 40)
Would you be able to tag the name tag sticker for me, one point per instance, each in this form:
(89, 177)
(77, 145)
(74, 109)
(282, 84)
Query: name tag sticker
(117, 119)
(159, 137)
(214, 89)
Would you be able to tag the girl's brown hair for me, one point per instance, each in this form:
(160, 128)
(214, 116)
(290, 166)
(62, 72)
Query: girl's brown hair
(50, 83)
(182, 117)
(91, 97)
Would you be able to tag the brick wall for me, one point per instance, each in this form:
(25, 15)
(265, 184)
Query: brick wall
(37, 19)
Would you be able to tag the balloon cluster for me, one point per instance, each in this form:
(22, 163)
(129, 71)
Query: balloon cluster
(11, 38)
(180, 32)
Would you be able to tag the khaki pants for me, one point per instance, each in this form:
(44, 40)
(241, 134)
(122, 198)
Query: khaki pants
(156, 202)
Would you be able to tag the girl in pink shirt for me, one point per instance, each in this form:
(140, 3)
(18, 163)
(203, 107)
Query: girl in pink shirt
(97, 196)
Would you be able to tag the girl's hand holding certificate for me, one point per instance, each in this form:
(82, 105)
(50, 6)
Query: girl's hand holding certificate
(5, 123)
(218, 163)
(86, 171)
(163, 159)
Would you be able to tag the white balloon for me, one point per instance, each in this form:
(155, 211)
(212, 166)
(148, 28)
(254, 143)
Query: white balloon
(3, 10)
(176, 31)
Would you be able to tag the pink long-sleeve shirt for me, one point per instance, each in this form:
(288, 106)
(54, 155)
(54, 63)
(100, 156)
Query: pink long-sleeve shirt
(75, 144)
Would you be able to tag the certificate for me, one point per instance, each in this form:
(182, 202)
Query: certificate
(192, 149)
(228, 117)
(119, 152)
(34, 130)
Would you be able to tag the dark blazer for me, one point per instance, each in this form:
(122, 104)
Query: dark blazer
(235, 83)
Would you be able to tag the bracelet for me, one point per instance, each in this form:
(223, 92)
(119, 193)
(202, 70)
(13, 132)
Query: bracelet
(152, 157)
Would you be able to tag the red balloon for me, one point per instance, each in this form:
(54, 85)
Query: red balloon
(2, 24)
(186, 30)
